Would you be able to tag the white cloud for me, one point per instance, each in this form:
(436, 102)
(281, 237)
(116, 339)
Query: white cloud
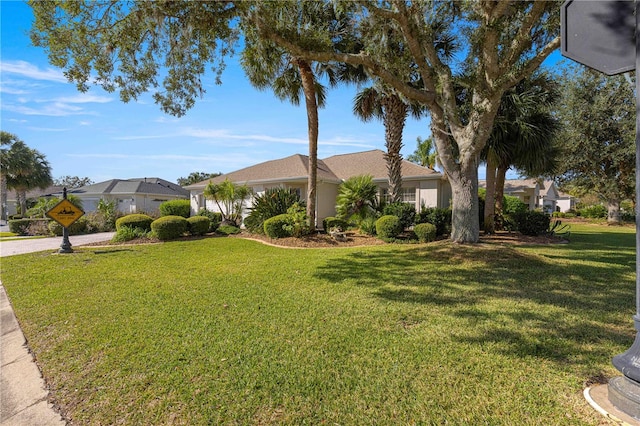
(55, 109)
(29, 70)
(82, 98)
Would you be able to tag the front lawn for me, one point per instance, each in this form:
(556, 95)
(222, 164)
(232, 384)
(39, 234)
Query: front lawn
(230, 331)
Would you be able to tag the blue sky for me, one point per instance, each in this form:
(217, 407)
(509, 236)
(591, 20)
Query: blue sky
(95, 135)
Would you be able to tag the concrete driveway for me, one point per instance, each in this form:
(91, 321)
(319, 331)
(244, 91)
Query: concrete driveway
(31, 245)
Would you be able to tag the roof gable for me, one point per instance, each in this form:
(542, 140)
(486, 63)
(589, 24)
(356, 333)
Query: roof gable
(373, 163)
(155, 186)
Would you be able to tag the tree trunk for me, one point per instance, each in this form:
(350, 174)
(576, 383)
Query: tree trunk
(308, 85)
(501, 175)
(21, 196)
(613, 212)
(490, 197)
(395, 116)
(465, 215)
(3, 197)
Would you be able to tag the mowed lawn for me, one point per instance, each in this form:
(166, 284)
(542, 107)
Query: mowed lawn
(230, 331)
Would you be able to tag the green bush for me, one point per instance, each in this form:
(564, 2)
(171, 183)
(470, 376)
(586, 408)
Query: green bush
(169, 227)
(532, 222)
(215, 218)
(127, 233)
(275, 227)
(272, 202)
(137, 220)
(404, 211)
(426, 232)
(512, 205)
(440, 218)
(198, 225)
(23, 226)
(597, 211)
(175, 208)
(78, 227)
(228, 229)
(368, 226)
(333, 222)
(298, 221)
(388, 227)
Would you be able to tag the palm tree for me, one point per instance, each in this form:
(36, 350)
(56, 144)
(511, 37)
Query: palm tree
(385, 104)
(522, 137)
(290, 77)
(357, 198)
(425, 153)
(23, 169)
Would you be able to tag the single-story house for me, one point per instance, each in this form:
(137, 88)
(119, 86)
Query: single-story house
(421, 186)
(534, 193)
(565, 202)
(137, 195)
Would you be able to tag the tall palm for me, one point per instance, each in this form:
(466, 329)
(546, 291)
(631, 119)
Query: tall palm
(24, 169)
(6, 140)
(290, 77)
(522, 137)
(425, 153)
(385, 104)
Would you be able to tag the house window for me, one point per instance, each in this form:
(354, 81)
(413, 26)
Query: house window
(407, 195)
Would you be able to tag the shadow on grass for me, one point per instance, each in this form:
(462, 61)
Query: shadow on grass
(565, 304)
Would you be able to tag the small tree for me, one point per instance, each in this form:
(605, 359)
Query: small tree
(229, 198)
(357, 198)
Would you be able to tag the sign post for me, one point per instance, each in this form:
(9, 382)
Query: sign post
(605, 35)
(65, 213)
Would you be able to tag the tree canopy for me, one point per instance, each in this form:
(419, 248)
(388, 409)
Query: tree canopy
(598, 116)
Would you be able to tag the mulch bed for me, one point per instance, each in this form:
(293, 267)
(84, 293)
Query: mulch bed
(354, 239)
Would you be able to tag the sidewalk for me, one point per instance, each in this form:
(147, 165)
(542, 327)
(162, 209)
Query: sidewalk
(23, 395)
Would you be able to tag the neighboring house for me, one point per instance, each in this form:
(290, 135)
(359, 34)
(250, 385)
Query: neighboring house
(139, 195)
(565, 202)
(33, 195)
(534, 193)
(420, 186)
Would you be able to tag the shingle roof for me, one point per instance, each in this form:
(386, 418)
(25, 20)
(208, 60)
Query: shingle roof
(372, 163)
(513, 185)
(37, 193)
(154, 186)
(332, 169)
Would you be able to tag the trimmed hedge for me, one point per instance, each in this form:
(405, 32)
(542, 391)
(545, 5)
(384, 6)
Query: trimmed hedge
(388, 226)
(215, 218)
(333, 222)
(175, 208)
(198, 225)
(21, 226)
(404, 211)
(274, 227)
(78, 227)
(169, 227)
(141, 221)
(532, 222)
(426, 232)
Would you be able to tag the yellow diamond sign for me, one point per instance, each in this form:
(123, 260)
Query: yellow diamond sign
(65, 213)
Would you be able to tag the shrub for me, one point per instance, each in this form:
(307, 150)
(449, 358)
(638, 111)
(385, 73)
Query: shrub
(198, 225)
(274, 227)
(215, 218)
(127, 233)
(511, 205)
(42, 206)
(597, 211)
(368, 226)
(532, 222)
(388, 227)
(137, 220)
(298, 221)
(169, 227)
(426, 232)
(22, 226)
(228, 229)
(77, 228)
(272, 202)
(404, 211)
(39, 227)
(99, 222)
(440, 218)
(333, 222)
(175, 208)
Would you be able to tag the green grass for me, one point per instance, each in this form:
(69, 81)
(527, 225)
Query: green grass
(229, 331)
